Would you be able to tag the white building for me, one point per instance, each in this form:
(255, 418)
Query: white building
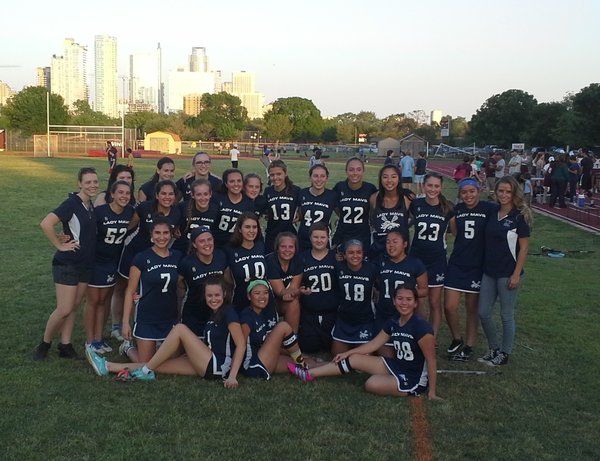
(69, 73)
(181, 82)
(436, 116)
(5, 92)
(198, 59)
(243, 85)
(144, 79)
(105, 75)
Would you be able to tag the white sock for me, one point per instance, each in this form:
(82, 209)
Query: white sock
(146, 370)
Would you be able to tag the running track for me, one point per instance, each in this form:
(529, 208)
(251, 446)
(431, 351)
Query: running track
(584, 218)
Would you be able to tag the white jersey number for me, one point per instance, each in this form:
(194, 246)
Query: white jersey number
(404, 351)
(433, 233)
(259, 271)
(359, 292)
(320, 282)
(347, 217)
(115, 236)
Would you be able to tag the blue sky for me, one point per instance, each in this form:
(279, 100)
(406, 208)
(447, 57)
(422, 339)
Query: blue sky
(347, 56)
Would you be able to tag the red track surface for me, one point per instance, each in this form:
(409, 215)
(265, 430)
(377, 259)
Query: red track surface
(586, 218)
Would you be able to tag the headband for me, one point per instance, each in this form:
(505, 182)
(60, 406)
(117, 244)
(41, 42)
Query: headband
(468, 182)
(254, 283)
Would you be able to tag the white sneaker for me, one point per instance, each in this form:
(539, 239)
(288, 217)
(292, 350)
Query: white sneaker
(124, 348)
(116, 333)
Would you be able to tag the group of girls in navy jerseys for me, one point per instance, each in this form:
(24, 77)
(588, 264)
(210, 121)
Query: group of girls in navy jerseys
(200, 276)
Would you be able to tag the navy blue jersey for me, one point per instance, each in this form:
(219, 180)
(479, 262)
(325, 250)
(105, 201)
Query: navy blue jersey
(260, 325)
(276, 272)
(192, 218)
(144, 210)
(149, 188)
(313, 209)
(185, 186)
(194, 272)
(384, 220)
(429, 240)
(157, 287)
(246, 265)
(320, 276)
(354, 209)
(391, 275)
(502, 243)
(405, 339)
(79, 223)
(112, 228)
(229, 213)
(280, 209)
(218, 338)
(356, 293)
(470, 234)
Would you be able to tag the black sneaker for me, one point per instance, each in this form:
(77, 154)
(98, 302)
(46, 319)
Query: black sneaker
(500, 359)
(455, 346)
(66, 351)
(464, 355)
(488, 356)
(41, 351)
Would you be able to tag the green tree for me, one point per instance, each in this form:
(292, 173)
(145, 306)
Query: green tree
(278, 127)
(26, 110)
(586, 108)
(304, 116)
(329, 133)
(83, 114)
(458, 131)
(140, 121)
(503, 118)
(224, 113)
(398, 126)
(544, 129)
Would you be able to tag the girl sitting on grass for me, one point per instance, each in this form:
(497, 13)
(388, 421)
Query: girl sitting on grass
(413, 370)
(219, 356)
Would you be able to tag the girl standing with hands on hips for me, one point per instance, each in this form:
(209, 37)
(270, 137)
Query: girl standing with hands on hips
(72, 262)
(506, 245)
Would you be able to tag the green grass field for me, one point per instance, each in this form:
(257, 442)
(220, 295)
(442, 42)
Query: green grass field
(544, 404)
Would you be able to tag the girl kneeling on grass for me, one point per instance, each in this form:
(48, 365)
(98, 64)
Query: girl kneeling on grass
(210, 359)
(411, 372)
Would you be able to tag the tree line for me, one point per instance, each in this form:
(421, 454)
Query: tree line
(511, 116)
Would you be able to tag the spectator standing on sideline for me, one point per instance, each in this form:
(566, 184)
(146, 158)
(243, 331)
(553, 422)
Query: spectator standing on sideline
(233, 154)
(574, 174)
(388, 158)
(489, 166)
(407, 170)
(130, 158)
(315, 159)
(587, 164)
(111, 155)
(514, 164)
(420, 172)
(500, 165)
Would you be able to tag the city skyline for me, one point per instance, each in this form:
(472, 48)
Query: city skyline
(386, 57)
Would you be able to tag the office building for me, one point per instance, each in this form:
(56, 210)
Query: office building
(105, 75)
(69, 73)
(181, 82)
(5, 92)
(192, 104)
(144, 81)
(198, 60)
(42, 77)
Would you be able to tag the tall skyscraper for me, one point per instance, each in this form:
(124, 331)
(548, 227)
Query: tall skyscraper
(69, 73)
(243, 82)
(181, 83)
(198, 59)
(42, 77)
(5, 92)
(144, 80)
(436, 116)
(105, 78)
(242, 85)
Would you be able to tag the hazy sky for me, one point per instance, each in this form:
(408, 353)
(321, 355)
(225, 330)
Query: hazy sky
(386, 56)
